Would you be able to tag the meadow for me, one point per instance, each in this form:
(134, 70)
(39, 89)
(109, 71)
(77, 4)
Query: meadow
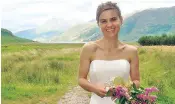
(41, 73)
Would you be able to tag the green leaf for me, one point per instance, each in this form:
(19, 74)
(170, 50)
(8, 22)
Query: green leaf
(134, 92)
(142, 88)
(122, 100)
(134, 86)
(108, 93)
(117, 101)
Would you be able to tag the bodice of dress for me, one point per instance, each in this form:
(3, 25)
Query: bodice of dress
(101, 72)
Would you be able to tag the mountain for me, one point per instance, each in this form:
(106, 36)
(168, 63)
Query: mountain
(8, 37)
(28, 34)
(79, 33)
(36, 36)
(41, 33)
(148, 22)
(53, 24)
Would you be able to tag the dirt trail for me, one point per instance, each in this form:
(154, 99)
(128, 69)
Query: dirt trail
(77, 95)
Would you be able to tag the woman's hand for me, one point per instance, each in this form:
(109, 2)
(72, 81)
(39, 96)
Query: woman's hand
(100, 91)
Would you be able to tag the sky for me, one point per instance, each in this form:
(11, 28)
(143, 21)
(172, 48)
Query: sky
(17, 15)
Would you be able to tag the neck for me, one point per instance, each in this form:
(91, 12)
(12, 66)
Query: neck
(110, 43)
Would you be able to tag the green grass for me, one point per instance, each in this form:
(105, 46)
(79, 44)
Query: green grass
(157, 68)
(42, 73)
(37, 46)
(34, 73)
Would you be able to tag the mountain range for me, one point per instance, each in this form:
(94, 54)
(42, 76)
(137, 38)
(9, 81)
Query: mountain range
(46, 30)
(147, 22)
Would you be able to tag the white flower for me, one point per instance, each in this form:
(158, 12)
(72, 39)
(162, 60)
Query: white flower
(107, 89)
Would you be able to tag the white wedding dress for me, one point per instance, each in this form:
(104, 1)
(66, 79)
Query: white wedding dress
(101, 71)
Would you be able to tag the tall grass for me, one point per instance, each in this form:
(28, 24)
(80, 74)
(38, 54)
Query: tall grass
(157, 68)
(35, 74)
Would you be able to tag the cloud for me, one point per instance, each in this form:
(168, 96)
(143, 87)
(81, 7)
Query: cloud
(22, 14)
(17, 13)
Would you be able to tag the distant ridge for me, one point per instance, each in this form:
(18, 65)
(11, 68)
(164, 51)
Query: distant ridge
(147, 22)
(7, 37)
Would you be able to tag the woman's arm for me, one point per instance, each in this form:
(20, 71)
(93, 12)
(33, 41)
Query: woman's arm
(84, 70)
(134, 72)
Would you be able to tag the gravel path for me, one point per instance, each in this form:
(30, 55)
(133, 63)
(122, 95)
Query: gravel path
(75, 96)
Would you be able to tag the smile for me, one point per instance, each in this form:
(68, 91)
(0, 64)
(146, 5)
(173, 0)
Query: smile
(108, 30)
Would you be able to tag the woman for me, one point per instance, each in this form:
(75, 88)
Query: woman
(107, 57)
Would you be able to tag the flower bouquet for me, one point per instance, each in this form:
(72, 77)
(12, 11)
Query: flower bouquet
(127, 93)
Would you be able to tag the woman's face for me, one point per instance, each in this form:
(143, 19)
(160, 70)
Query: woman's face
(109, 23)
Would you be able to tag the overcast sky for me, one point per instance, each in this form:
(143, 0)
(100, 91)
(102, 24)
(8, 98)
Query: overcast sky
(24, 14)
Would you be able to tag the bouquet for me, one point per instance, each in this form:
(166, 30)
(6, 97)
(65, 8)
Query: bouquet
(127, 93)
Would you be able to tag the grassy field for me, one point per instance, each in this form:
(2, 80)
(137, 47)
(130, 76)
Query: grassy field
(157, 68)
(42, 73)
(35, 73)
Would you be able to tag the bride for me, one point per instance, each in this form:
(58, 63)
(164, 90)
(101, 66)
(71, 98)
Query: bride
(107, 57)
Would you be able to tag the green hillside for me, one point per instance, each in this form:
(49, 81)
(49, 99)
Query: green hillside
(148, 22)
(79, 33)
(7, 37)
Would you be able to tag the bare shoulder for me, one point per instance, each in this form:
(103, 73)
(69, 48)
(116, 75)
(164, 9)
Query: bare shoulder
(131, 48)
(131, 51)
(89, 48)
